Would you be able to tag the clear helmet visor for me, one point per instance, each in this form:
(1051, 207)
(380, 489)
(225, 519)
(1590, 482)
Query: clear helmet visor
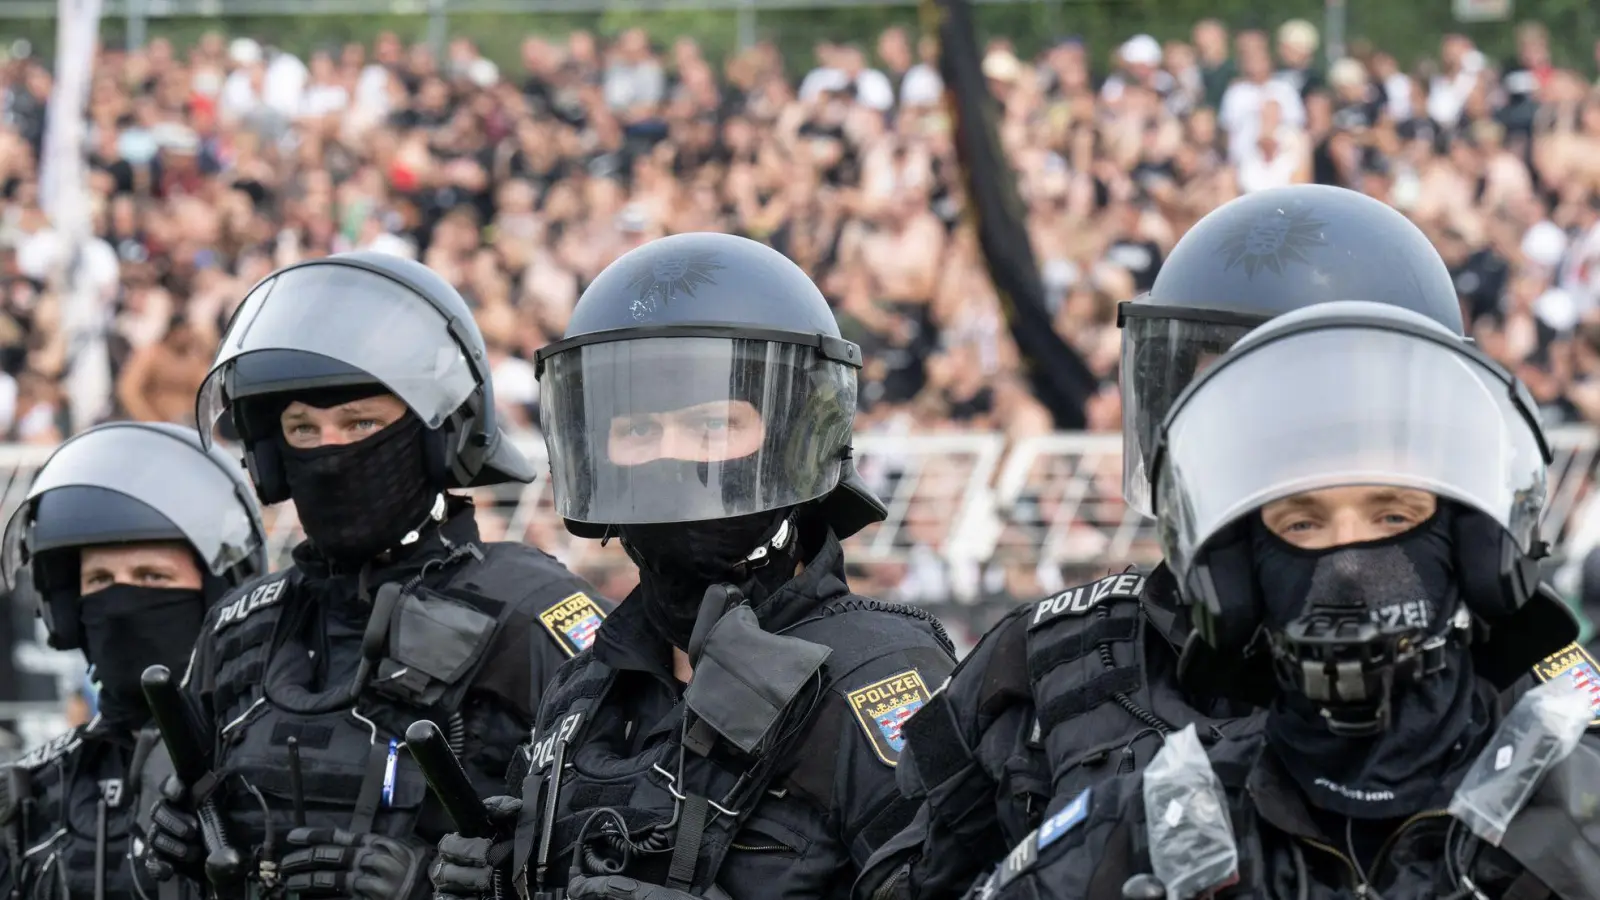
(160, 471)
(681, 429)
(1339, 408)
(356, 320)
(1160, 357)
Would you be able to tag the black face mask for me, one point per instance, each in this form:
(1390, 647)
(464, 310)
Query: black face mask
(128, 628)
(1428, 714)
(679, 561)
(358, 500)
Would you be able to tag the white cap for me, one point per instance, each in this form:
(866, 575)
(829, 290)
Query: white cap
(1347, 71)
(1141, 50)
(1300, 34)
(244, 52)
(1544, 244)
(483, 73)
(1001, 66)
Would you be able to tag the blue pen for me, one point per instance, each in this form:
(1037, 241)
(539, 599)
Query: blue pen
(388, 772)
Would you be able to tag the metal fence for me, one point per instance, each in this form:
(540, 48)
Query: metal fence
(962, 497)
(960, 500)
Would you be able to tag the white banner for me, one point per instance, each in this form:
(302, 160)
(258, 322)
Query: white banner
(64, 197)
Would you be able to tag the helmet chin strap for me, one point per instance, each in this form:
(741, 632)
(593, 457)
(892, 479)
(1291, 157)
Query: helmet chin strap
(435, 514)
(780, 540)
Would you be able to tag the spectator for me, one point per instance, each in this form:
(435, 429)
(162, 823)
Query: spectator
(160, 380)
(1297, 53)
(1240, 110)
(213, 163)
(1217, 70)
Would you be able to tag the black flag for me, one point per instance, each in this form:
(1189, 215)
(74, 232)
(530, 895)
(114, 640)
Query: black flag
(1061, 380)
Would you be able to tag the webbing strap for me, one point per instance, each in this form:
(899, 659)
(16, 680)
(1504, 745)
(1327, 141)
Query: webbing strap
(1098, 690)
(686, 843)
(366, 811)
(1079, 644)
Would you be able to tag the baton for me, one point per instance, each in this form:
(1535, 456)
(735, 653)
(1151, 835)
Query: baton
(448, 780)
(224, 867)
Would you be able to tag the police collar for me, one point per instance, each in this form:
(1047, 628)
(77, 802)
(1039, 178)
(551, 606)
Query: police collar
(625, 641)
(435, 539)
(1163, 608)
(821, 580)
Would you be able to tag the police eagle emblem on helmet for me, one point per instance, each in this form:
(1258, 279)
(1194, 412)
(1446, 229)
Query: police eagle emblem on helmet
(671, 277)
(1273, 241)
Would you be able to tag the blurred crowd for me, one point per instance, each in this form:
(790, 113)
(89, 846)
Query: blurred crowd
(213, 164)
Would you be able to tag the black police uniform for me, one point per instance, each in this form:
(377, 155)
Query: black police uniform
(1103, 657)
(990, 750)
(394, 610)
(1386, 679)
(73, 811)
(796, 821)
(471, 635)
(700, 408)
(1287, 848)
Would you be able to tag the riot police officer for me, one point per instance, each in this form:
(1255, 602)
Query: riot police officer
(735, 728)
(1350, 502)
(990, 750)
(360, 389)
(127, 535)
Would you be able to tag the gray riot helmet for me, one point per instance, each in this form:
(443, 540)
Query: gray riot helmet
(123, 483)
(1360, 394)
(1259, 256)
(702, 376)
(356, 320)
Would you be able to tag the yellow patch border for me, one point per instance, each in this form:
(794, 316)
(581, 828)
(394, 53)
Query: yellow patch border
(569, 610)
(873, 700)
(1563, 661)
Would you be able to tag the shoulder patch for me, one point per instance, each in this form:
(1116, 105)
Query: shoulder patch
(1067, 819)
(1575, 664)
(268, 593)
(883, 707)
(573, 621)
(1079, 600)
(50, 750)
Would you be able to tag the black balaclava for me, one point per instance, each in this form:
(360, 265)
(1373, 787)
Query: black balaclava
(678, 561)
(128, 628)
(358, 500)
(1437, 720)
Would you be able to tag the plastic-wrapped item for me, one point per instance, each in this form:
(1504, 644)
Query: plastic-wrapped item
(1186, 814)
(1557, 837)
(1540, 731)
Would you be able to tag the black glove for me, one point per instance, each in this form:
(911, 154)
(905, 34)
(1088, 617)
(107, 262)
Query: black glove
(335, 863)
(621, 887)
(176, 845)
(465, 867)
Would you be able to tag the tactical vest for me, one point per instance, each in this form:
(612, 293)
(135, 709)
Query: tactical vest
(694, 811)
(353, 771)
(50, 818)
(1099, 711)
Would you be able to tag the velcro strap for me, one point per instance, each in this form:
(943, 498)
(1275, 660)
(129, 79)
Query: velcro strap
(939, 750)
(1046, 655)
(894, 815)
(1098, 690)
(686, 849)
